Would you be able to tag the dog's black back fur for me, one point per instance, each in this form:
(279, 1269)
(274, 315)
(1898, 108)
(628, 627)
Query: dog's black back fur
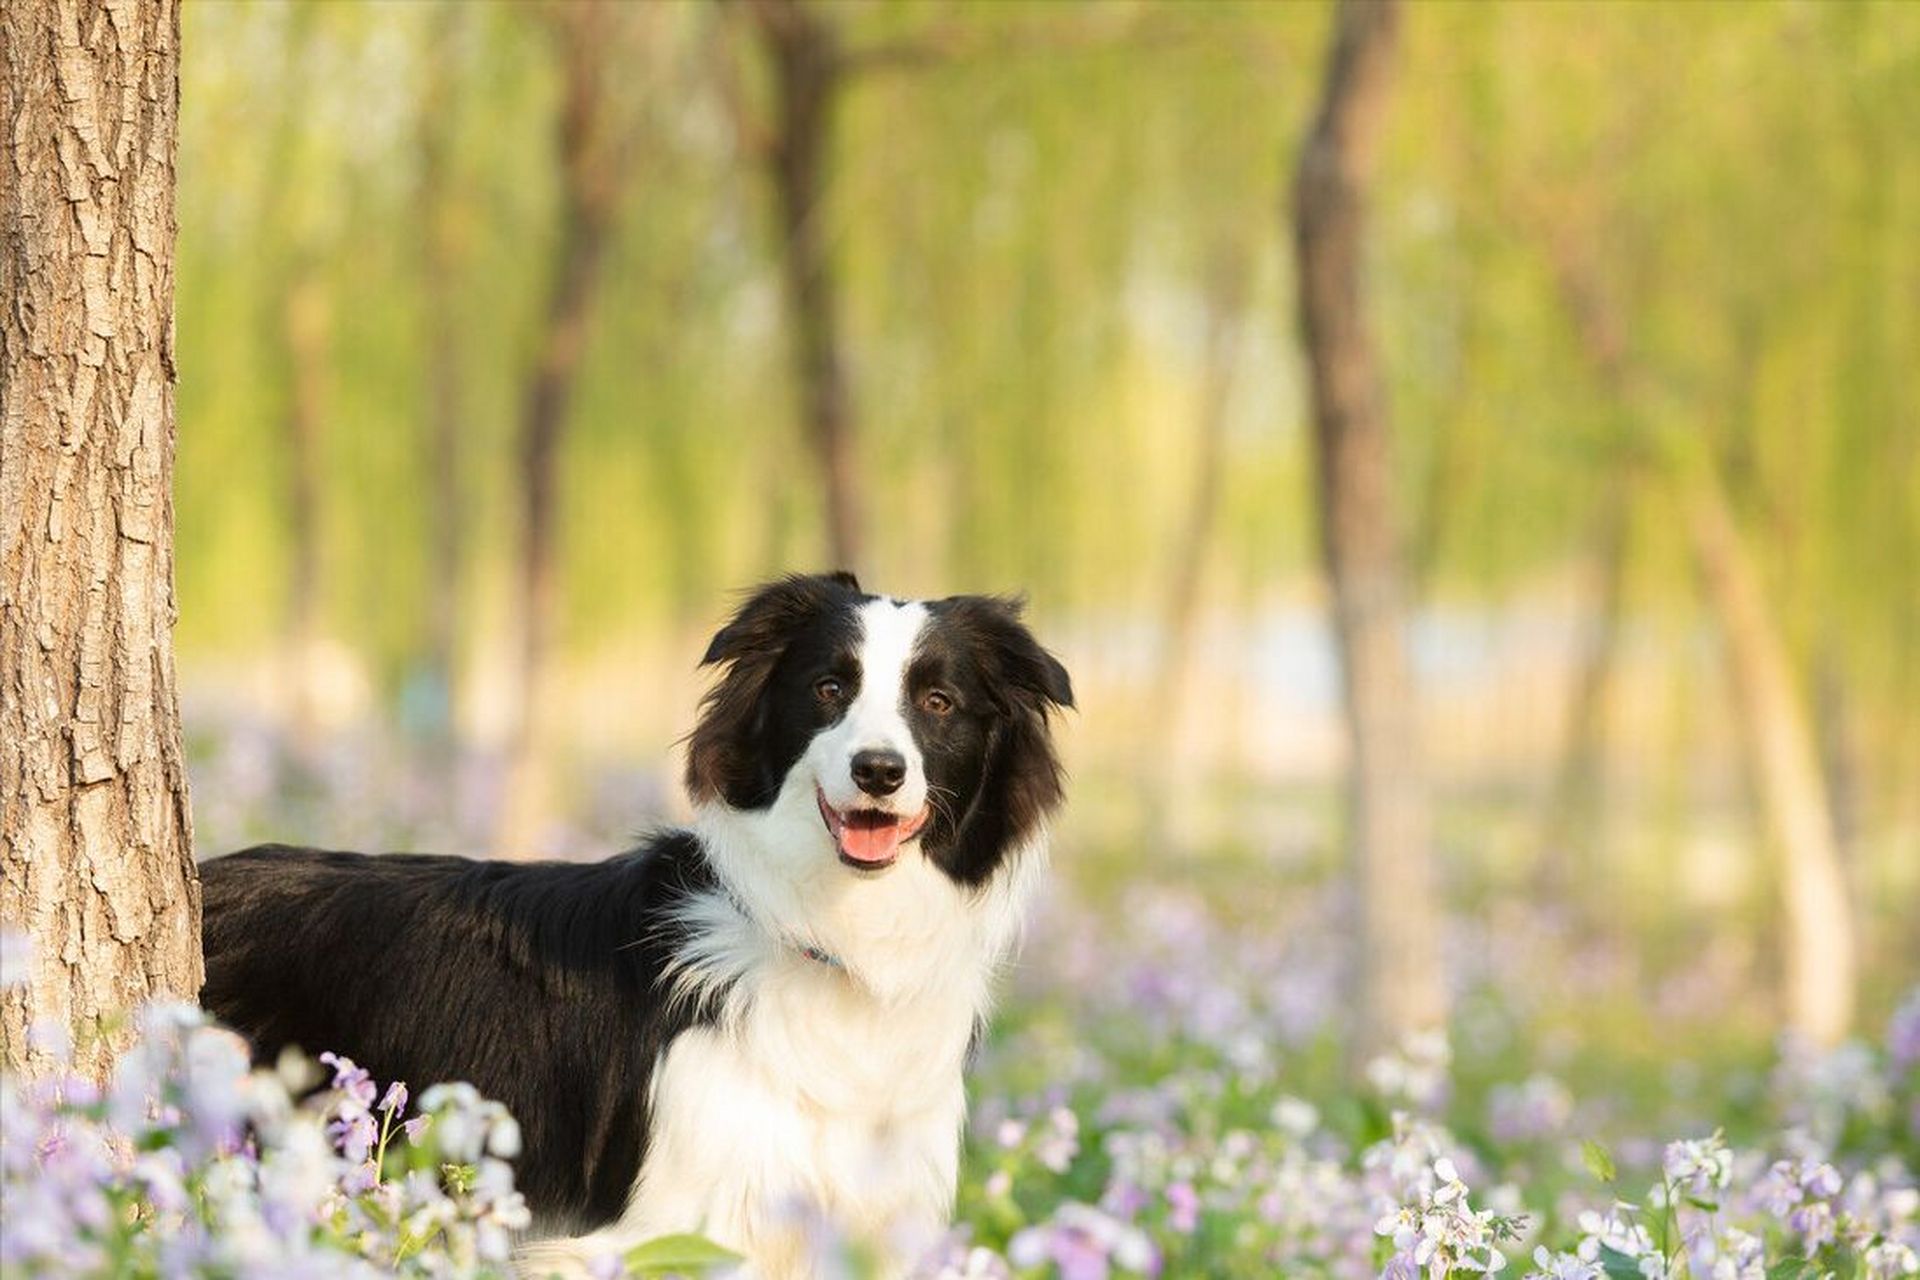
(535, 981)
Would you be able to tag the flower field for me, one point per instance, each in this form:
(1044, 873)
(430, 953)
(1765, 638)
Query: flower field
(1184, 1115)
(1151, 1106)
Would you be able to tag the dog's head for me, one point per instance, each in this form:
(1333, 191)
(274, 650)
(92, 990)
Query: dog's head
(904, 721)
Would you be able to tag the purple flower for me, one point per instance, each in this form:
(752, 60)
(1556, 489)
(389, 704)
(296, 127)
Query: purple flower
(1124, 1199)
(1084, 1244)
(1061, 1140)
(1183, 1207)
(1903, 1033)
(350, 1079)
(1698, 1167)
(354, 1135)
(361, 1179)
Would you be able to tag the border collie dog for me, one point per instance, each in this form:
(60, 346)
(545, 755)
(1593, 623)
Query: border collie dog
(740, 1027)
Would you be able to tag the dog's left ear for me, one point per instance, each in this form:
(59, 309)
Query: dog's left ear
(1023, 780)
(1018, 659)
(1050, 679)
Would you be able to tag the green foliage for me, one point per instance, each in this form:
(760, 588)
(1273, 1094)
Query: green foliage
(681, 1255)
(1598, 1160)
(1022, 222)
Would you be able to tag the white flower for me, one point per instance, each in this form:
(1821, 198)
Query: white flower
(1889, 1259)
(1295, 1117)
(1700, 1165)
(1562, 1266)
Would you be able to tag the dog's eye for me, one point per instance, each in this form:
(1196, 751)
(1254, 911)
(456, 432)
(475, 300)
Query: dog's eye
(829, 689)
(936, 702)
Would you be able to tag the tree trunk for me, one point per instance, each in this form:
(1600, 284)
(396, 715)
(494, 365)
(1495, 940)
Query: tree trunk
(589, 177)
(1820, 963)
(1226, 294)
(1820, 969)
(1400, 982)
(96, 842)
(1568, 829)
(1842, 762)
(808, 75)
(440, 253)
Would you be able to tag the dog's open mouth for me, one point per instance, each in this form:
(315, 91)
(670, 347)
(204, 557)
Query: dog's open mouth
(867, 838)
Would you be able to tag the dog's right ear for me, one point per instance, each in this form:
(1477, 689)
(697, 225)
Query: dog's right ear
(724, 760)
(774, 610)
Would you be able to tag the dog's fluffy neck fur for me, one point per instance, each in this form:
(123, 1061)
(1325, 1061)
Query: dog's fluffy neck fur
(907, 934)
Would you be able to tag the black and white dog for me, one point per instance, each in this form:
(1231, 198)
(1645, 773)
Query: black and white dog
(737, 1026)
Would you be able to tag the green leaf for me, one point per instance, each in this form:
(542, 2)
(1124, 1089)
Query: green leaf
(1616, 1264)
(1599, 1161)
(1790, 1269)
(678, 1255)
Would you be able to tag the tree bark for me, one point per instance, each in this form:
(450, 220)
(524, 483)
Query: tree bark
(1398, 963)
(809, 73)
(1820, 966)
(589, 179)
(96, 842)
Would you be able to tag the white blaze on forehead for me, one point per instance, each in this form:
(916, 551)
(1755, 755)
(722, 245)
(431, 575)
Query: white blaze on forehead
(889, 630)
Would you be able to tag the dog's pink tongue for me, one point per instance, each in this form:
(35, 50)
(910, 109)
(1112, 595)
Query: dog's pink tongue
(871, 843)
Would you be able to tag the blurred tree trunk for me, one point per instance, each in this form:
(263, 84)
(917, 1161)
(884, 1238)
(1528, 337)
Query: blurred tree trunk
(96, 858)
(304, 324)
(589, 183)
(296, 315)
(1841, 759)
(1820, 966)
(1226, 302)
(1820, 961)
(440, 254)
(809, 74)
(1568, 829)
(1401, 985)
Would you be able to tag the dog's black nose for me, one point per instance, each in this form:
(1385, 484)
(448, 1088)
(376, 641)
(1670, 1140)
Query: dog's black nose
(879, 773)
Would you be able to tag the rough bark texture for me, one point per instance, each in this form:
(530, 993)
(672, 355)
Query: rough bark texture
(1820, 967)
(1399, 973)
(809, 73)
(95, 836)
(589, 178)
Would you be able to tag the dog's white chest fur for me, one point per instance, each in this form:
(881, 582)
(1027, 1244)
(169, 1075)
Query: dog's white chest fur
(818, 1104)
(828, 1091)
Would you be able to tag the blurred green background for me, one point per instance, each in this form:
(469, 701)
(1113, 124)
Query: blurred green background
(1060, 264)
